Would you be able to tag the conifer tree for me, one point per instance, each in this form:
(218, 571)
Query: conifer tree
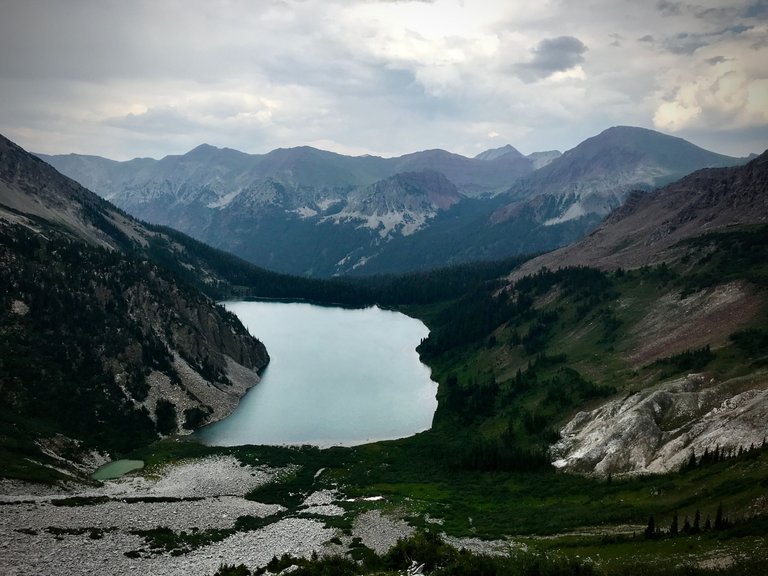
(650, 530)
(721, 523)
(691, 461)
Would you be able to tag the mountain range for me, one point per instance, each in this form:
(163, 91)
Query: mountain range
(311, 212)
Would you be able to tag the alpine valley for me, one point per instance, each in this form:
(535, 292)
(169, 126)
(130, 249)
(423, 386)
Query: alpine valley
(602, 407)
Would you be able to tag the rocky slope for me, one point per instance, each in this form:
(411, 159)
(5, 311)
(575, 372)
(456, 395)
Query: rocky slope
(708, 229)
(42, 534)
(99, 342)
(401, 204)
(597, 175)
(657, 429)
(649, 226)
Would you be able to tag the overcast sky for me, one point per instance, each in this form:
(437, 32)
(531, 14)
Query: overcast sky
(148, 78)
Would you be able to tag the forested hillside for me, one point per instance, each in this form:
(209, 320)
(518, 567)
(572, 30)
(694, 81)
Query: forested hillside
(102, 347)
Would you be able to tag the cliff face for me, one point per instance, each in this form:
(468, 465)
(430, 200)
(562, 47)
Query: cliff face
(98, 342)
(112, 350)
(657, 429)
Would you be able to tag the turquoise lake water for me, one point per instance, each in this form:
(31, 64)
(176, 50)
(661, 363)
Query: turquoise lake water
(336, 377)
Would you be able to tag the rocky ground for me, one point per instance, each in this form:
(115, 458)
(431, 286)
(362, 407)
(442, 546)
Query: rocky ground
(37, 536)
(656, 429)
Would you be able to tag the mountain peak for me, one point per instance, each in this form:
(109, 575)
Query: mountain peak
(496, 153)
(202, 149)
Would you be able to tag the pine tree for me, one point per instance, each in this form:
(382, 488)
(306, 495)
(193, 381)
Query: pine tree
(650, 530)
(697, 522)
(673, 529)
(686, 525)
(720, 521)
(691, 461)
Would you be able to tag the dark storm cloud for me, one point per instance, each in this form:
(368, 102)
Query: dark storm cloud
(553, 55)
(715, 60)
(685, 43)
(757, 10)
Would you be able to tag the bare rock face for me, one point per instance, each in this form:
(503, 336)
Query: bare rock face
(657, 429)
(215, 360)
(401, 204)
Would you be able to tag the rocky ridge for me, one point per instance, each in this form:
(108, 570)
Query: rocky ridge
(401, 204)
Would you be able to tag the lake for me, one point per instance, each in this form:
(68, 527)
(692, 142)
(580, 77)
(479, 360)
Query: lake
(336, 377)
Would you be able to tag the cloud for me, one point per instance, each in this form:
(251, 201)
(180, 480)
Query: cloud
(729, 93)
(758, 10)
(715, 60)
(715, 14)
(553, 55)
(167, 119)
(152, 78)
(686, 43)
(668, 8)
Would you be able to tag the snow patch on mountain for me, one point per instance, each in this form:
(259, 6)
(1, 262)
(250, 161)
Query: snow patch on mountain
(573, 212)
(225, 200)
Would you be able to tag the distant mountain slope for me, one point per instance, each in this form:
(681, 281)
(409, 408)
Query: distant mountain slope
(98, 342)
(316, 213)
(496, 153)
(225, 171)
(541, 159)
(649, 225)
(400, 204)
(597, 175)
(331, 206)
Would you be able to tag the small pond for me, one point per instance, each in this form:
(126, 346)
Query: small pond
(117, 468)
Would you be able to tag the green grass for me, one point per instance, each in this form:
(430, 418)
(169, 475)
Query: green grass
(413, 477)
